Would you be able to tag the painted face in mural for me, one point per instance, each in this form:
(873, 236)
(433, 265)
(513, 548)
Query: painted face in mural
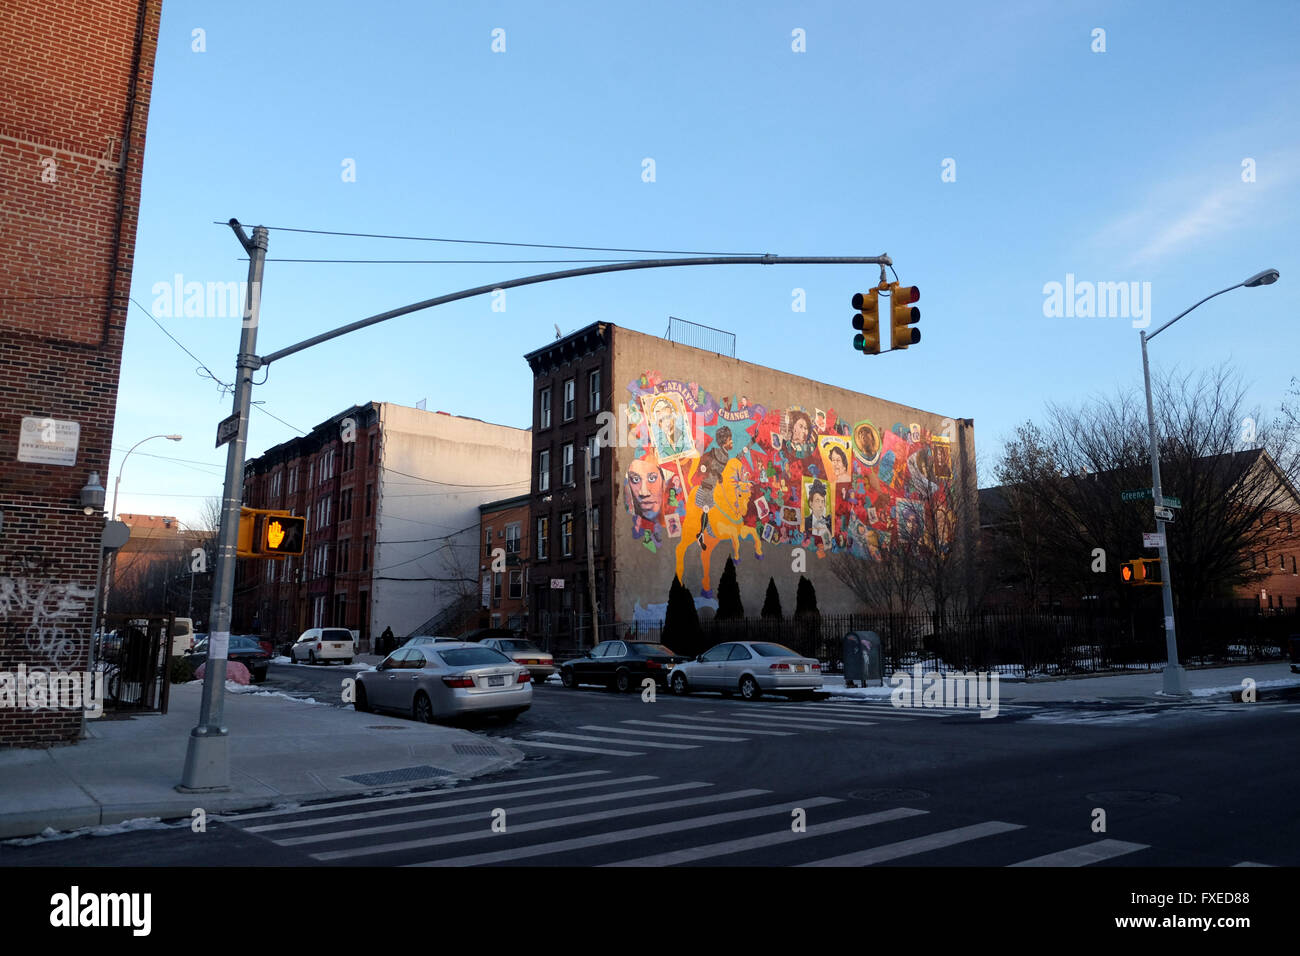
(667, 421)
(646, 488)
(799, 430)
(839, 463)
(817, 506)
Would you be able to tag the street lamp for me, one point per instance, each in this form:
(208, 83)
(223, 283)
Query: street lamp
(1175, 679)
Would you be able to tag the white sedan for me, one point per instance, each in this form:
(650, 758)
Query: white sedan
(750, 668)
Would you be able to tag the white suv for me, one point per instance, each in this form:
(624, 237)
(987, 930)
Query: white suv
(322, 644)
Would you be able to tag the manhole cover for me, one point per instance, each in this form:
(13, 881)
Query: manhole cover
(889, 793)
(404, 775)
(1147, 798)
(481, 750)
(385, 727)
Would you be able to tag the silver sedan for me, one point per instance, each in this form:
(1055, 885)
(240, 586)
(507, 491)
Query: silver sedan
(750, 668)
(432, 681)
(539, 662)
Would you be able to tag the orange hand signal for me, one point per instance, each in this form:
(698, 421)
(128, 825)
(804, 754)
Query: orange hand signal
(274, 534)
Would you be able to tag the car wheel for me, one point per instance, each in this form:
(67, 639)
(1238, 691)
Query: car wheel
(422, 710)
(679, 685)
(623, 681)
(569, 679)
(361, 703)
(311, 657)
(749, 688)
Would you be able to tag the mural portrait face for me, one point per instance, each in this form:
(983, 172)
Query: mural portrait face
(867, 442)
(645, 488)
(839, 460)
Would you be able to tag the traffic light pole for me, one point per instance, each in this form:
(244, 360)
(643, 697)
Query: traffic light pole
(207, 759)
(1175, 678)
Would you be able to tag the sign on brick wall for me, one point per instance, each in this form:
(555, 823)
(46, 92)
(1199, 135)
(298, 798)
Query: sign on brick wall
(48, 441)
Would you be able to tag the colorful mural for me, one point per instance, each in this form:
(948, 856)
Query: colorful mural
(709, 471)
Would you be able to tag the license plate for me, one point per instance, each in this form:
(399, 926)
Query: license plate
(498, 681)
(799, 668)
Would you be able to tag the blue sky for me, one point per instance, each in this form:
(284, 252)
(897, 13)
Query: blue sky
(1117, 166)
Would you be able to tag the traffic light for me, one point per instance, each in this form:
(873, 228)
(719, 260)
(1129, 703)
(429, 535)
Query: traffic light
(270, 534)
(867, 322)
(1141, 571)
(282, 535)
(903, 315)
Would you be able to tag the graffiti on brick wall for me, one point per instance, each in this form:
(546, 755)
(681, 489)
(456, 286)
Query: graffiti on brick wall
(38, 609)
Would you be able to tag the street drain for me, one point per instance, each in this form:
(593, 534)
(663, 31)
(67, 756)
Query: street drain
(478, 750)
(1141, 798)
(404, 775)
(890, 794)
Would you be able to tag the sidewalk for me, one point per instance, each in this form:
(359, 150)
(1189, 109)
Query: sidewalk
(281, 751)
(1206, 683)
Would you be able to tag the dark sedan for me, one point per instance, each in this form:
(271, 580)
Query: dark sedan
(621, 665)
(246, 650)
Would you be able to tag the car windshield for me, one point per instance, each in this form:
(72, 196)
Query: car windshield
(336, 634)
(468, 656)
(644, 649)
(773, 650)
(238, 642)
(517, 645)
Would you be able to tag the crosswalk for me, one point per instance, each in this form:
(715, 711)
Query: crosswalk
(705, 721)
(1144, 713)
(602, 818)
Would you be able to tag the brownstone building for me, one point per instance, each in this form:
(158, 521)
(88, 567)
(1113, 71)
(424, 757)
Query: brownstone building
(77, 77)
(503, 594)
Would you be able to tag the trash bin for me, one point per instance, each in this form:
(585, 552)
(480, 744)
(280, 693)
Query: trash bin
(862, 659)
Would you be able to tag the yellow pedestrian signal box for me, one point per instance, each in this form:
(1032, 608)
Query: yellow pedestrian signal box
(270, 534)
(1141, 571)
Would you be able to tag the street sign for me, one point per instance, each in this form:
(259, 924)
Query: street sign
(1164, 514)
(1153, 540)
(1136, 495)
(227, 429)
(1171, 502)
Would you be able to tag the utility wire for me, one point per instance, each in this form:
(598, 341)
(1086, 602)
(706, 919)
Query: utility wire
(496, 242)
(442, 262)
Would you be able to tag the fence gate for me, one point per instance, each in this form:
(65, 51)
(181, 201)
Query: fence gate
(133, 657)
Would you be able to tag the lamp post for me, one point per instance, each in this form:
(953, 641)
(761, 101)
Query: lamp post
(1175, 676)
(108, 585)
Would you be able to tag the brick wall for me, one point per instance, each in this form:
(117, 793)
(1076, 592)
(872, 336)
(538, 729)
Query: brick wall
(77, 76)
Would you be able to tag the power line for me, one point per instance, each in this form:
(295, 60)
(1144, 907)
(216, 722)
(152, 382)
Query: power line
(444, 262)
(497, 242)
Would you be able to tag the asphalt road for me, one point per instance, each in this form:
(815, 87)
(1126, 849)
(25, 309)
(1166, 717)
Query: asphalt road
(614, 778)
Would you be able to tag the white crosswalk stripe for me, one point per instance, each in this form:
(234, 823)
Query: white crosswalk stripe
(1086, 854)
(484, 832)
(923, 844)
(654, 744)
(521, 742)
(784, 717)
(638, 833)
(480, 815)
(764, 840)
(768, 722)
(420, 795)
(658, 733)
(685, 723)
(434, 802)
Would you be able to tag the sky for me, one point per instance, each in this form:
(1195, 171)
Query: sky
(989, 152)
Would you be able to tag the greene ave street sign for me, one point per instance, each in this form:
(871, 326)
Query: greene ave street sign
(1135, 495)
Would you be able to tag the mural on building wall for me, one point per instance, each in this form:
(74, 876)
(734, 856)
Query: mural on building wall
(709, 472)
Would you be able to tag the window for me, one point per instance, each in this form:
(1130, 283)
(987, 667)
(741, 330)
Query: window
(544, 470)
(543, 538)
(569, 402)
(544, 408)
(516, 585)
(595, 528)
(1293, 571)
(293, 479)
(370, 499)
(345, 550)
(374, 440)
(566, 465)
(349, 455)
(487, 536)
(308, 523)
(496, 588)
(365, 553)
(593, 455)
(593, 391)
(275, 485)
(345, 505)
(566, 534)
(512, 538)
(311, 473)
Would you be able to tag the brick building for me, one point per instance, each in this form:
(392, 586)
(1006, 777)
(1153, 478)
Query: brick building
(791, 470)
(151, 572)
(391, 497)
(503, 595)
(77, 77)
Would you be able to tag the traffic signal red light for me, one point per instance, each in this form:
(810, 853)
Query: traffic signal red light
(903, 315)
(867, 322)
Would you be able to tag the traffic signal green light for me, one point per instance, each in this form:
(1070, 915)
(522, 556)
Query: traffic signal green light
(867, 322)
(903, 315)
(281, 535)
